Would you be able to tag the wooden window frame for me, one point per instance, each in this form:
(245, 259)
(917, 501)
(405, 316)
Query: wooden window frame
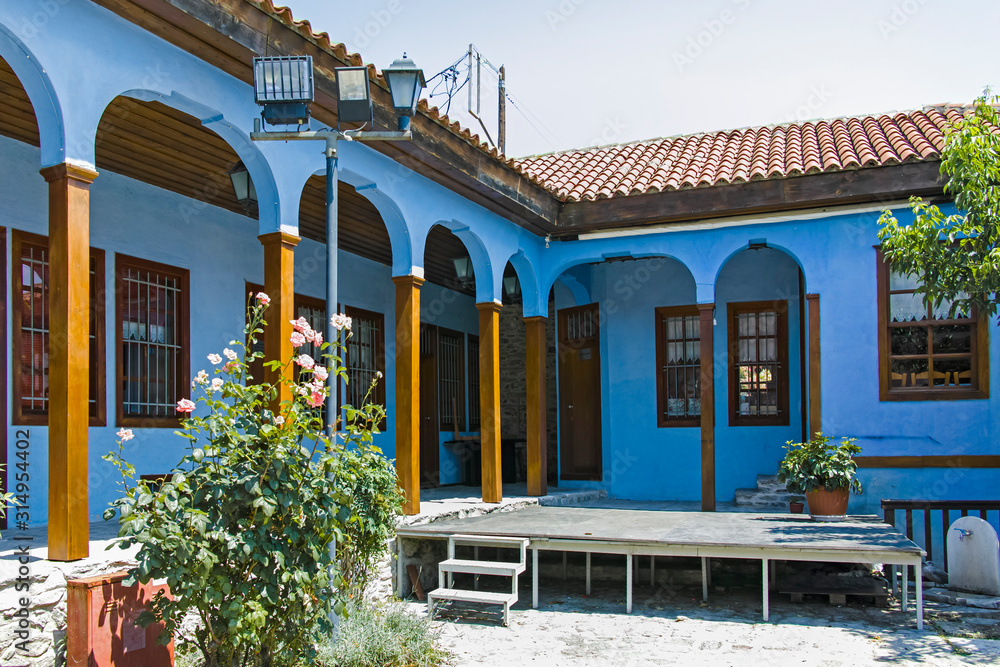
(19, 416)
(980, 341)
(662, 420)
(183, 379)
(445, 424)
(380, 393)
(734, 309)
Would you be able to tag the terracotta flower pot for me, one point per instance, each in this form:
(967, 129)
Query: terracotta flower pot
(796, 508)
(828, 505)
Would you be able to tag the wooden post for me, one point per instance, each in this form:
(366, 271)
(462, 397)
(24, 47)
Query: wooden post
(69, 359)
(815, 391)
(279, 284)
(489, 400)
(534, 345)
(706, 312)
(408, 389)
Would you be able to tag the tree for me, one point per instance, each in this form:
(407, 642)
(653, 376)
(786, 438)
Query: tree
(956, 257)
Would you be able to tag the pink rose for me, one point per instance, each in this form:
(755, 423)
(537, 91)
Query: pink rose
(231, 367)
(230, 354)
(185, 405)
(340, 322)
(263, 299)
(214, 359)
(321, 373)
(297, 339)
(125, 434)
(318, 339)
(300, 324)
(315, 399)
(305, 361)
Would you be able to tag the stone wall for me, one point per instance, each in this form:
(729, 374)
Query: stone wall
(513, 380)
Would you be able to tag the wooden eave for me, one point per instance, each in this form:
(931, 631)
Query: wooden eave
(229, 33)
(858, 186)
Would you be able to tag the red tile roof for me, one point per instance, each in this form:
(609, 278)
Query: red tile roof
(737, 156)
(699, 160)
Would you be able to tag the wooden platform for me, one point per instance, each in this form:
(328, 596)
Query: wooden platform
(764, 537)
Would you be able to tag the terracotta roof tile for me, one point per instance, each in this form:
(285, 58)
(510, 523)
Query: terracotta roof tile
(735, 156)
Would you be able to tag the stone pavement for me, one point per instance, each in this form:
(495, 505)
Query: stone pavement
(671, 627)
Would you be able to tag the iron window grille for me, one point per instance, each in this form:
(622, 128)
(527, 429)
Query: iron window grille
(153, 341)
(30, 319)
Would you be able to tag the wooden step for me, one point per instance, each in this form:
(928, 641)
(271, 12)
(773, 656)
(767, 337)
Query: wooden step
(489, 541)
(454, 565)
(484, 597)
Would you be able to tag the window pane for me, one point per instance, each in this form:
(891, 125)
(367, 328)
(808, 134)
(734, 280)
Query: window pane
(941, 312)
(901, 281)
(908, 340)
(904, 370)
(952, 338)
(682, 371)
(907, 307)
(958, 372)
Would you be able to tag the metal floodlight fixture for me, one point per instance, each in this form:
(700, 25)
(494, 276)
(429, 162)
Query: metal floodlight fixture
(463, 269)
(406, 81)
(284, 87)
(354, 97)
(511, 286)
(243, 187)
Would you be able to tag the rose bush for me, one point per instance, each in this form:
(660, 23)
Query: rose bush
(244, 528)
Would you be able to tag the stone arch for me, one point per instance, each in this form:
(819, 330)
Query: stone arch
(44, 100)
(531, 297)
(393, 219)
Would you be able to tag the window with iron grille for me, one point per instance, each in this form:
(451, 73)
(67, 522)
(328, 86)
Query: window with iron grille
(30, 319)
(451, 380)
(758, 363)
(153, 354)
(925, 351)
(474, 421)
(365, 357)
(678, 365)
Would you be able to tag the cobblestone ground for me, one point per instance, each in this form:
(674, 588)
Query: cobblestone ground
(671, 627)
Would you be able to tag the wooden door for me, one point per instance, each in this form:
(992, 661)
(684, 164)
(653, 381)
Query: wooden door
(430, 475)
(579, 393)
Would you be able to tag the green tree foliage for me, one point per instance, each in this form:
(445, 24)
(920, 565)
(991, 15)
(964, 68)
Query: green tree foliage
(957, 257)
(243, 528)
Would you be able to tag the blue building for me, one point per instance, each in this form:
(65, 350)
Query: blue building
(654, 319)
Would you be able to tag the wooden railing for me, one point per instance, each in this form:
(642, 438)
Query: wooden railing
(946, 507)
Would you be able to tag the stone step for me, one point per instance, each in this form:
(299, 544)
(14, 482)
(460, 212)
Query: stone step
(458, 565)
(769, 483)
(758, 498)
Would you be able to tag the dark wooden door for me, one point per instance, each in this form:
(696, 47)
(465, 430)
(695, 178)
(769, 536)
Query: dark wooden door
(430, 465)
(579, 393)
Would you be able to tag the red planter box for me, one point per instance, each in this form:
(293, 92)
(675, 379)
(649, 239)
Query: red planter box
(101, 629)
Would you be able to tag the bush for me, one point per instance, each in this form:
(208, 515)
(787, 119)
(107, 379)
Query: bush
(376, 501)
(242, 529)
(818, 464)
(385, 635)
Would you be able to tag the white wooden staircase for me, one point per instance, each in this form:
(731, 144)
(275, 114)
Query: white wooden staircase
(448, 568)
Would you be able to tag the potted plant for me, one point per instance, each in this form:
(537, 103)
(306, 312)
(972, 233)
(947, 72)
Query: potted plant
(825, 472)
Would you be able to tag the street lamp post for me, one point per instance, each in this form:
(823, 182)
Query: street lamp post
(283, 86)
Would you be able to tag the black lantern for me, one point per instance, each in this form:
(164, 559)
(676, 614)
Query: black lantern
(406, 81)
(243, 187)
(284, 87)
(354, 98)
(511, 286)
(463, 270)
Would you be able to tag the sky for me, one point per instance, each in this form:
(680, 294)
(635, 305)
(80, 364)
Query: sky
(593, 72)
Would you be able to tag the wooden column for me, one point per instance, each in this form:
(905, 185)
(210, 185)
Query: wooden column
(534, 346)
(815, 391)
(489, 400)
(408, 389)
(706, 313)
(279, 284)
(69, 359)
